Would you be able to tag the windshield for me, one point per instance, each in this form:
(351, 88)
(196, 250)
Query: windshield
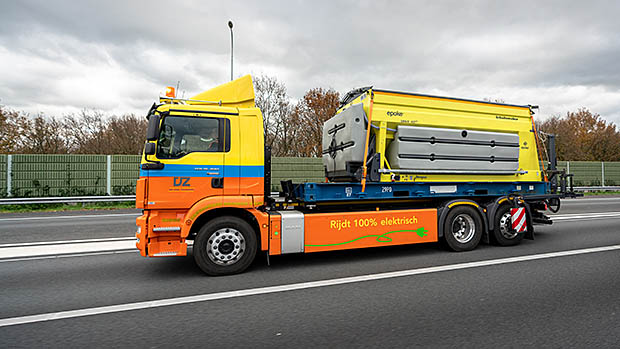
(181, 135)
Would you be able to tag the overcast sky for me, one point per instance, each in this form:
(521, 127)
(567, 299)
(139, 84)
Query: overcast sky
(58, 57)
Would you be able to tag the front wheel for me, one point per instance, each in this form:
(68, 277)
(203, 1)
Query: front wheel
(462, 229)
(224, 246)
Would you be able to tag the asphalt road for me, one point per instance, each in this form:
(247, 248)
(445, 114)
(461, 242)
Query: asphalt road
(72, 225)
(553, 301)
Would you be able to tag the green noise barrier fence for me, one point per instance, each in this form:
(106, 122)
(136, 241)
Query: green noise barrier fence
(77, 175)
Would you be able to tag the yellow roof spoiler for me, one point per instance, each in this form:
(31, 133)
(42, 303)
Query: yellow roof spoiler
(237, 93)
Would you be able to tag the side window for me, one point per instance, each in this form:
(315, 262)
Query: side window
(181, 135)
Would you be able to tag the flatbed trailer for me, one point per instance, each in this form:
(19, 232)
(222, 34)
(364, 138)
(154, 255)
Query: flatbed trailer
(205, 176)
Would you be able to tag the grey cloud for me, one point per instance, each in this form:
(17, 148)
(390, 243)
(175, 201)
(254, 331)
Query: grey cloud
(474, 47)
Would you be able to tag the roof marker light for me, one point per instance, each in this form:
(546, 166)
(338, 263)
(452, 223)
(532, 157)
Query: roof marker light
(170, 92)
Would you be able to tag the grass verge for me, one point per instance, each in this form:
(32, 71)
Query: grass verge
(66, 207)
(600, 193)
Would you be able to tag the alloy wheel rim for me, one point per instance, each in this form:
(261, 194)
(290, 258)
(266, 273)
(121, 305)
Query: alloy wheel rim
(463, 228)
(226, 246)
(505, 225)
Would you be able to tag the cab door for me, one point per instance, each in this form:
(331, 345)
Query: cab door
(191, 147)
(232, 151)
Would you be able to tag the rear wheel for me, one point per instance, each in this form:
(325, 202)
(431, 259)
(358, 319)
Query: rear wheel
(224, 246)
(503, 234)
(462, 229)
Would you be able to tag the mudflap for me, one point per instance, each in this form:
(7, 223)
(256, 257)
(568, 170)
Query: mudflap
(529, 232)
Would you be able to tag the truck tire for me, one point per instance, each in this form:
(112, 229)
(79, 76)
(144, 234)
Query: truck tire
(225, 245)
(502, 233)
(462, 229)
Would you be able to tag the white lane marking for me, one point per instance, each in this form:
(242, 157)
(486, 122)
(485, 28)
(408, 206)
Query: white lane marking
(67, 256)
(585, 215)
(55, 242)
(70, 217)
(290, 287)
(583, 219)
(46, 250)
(581, 201)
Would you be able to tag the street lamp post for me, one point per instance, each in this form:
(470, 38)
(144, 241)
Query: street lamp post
(230, 25)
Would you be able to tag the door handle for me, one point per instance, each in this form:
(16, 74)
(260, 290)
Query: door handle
(217, 182)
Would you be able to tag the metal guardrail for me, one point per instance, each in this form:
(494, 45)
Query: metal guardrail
(605, 188)
(75, 199)
(66, 200)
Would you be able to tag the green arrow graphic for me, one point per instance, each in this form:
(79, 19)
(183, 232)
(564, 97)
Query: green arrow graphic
(380, 238)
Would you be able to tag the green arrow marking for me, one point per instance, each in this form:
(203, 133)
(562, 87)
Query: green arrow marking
(380, 238)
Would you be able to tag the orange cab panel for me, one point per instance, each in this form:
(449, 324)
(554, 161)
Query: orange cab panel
(167, 246)
(140, 192)
(179, 192)
(164, 235)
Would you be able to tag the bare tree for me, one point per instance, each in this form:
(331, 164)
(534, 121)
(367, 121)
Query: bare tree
(10, 130)
(85, 132)
(42, 135)
(125, 134)
(272, 99)
(90, 132)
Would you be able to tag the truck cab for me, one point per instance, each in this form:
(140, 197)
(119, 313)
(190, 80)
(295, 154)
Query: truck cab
(201, 155)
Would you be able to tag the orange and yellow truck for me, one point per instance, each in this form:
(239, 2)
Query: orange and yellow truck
(401, 168)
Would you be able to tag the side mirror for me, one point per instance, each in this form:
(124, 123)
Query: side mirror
(152, 132)
(149, 148)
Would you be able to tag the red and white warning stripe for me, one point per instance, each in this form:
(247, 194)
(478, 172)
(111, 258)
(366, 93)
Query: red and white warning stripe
(518, 219)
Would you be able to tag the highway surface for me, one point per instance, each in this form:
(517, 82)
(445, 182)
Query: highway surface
(72, 279)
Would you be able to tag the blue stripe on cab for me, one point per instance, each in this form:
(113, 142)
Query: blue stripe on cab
(247, 171)
(177, 170)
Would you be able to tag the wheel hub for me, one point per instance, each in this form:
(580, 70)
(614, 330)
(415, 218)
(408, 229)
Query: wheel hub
(463, 228)
(226, 246)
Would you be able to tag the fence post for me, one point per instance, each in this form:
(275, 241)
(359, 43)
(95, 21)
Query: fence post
(9, 174)
(568, 167)
(602, 173)
(109, 175)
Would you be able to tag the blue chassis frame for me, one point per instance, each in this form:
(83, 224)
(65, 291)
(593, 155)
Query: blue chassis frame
(325, 192)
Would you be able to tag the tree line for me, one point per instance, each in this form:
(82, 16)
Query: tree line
(583, 136)
(292, 128)
(88, 132)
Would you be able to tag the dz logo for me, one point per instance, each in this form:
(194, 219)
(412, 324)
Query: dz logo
(181, 181)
